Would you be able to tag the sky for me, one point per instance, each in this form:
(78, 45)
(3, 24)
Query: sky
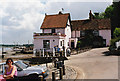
(19, 19)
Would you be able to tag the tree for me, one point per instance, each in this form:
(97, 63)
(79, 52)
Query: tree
(113, 12)
(99, 15)
(116, 32)
(109, 12)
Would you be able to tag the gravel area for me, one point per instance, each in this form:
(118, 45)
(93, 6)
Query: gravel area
(70, 73)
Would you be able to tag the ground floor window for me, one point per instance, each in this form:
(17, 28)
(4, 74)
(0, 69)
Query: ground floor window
(46, 44)
(61, 43)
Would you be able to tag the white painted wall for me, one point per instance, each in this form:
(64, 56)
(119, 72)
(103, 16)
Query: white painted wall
(106, 34)
(68, 34)
(38, 44)
(38, 41)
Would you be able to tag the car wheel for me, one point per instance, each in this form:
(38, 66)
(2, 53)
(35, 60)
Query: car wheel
(33, 77)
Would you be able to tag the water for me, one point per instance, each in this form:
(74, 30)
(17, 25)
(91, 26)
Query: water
(5, 49)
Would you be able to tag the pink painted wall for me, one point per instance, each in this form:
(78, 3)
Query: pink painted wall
(77, 34)
(106, 34)
(73, 34)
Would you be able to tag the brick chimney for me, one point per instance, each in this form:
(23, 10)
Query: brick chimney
(60, 12)
(91, 15)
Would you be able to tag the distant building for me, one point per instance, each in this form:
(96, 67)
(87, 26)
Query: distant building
(59, 30)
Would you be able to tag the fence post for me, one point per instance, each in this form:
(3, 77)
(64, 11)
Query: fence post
(63, 69)
(61, 73)
(53, 76)
(55, 64)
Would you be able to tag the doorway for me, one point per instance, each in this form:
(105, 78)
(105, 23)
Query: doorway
(72, 44)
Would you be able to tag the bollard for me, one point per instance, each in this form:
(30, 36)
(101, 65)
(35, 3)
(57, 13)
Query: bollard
(63, 62)
(63, 69)
(55, 65)
(53, 76)
(3, 56)
(41, 78)
(58, 64)
(61, 73)
(60, 54)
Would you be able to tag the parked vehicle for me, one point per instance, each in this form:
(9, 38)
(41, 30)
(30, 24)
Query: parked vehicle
(27, 70)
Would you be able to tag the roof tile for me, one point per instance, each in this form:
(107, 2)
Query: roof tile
(95, 24)
(55, 21)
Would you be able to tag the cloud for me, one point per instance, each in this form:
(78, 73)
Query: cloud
(20, 18)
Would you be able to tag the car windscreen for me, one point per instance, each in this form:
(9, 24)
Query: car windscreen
(21, 64)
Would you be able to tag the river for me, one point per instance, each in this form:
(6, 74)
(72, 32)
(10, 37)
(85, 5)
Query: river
(5, 49)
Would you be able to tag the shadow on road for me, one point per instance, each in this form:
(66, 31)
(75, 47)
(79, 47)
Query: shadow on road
(109, 53)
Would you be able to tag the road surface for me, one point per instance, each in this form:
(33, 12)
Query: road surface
(94, 64)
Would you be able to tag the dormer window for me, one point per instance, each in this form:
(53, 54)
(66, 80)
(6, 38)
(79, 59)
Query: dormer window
(53, 30)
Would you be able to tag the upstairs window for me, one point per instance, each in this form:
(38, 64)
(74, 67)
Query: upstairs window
(53, 30)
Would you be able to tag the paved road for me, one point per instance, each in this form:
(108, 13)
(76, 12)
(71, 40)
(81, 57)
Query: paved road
(94, 64)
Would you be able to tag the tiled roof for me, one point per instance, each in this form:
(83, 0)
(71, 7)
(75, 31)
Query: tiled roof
(94, 24)
(55, 21)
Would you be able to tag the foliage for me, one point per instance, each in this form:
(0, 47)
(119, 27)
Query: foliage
(89, 40)
(112, 41)
(115, 39)
(79, 43)
(109, 12)
(112, 12)
(99, 16)
(116, 32)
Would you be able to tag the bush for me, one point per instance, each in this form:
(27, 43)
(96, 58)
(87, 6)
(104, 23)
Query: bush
(79, 44)
(116, 32)
(113, 41)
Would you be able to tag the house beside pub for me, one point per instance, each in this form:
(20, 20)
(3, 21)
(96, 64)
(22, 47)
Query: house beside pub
(59, 30)
(99, 28)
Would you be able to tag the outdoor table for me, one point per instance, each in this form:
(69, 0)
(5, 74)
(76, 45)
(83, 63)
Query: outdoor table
(1, 78)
